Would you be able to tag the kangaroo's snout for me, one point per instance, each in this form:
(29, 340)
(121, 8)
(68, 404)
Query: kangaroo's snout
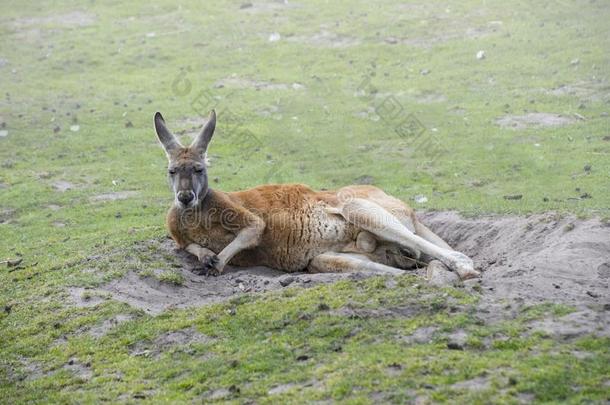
(185, 197)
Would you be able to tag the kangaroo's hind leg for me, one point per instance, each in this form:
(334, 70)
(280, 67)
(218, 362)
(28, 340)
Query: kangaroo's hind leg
(407, 217)
(331, 262)
(372, 217)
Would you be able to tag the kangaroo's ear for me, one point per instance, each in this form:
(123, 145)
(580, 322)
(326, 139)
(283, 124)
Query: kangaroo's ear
(203, 139)
(167, 139)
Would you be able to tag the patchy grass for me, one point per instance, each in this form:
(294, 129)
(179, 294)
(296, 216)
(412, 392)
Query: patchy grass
(329, 342)
(82, 180)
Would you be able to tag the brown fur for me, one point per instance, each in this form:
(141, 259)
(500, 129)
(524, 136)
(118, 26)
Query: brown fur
(299, 224)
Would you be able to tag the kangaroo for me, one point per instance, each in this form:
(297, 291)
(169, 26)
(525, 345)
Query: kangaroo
(291, 227)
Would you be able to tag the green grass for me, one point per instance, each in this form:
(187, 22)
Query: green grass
(110, 76)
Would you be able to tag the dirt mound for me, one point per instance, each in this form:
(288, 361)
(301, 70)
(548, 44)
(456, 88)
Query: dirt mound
(542, 257)
(536, 259)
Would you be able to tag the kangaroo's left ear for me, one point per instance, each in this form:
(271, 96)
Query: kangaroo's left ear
(203, 139)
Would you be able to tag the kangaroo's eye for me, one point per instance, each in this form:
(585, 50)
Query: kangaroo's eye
(199, 170)
(172, 171)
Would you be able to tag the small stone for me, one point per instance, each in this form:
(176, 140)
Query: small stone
(128, 124)
(424, 72)
(74, 128)
(481, 55)
(574, 62)
(420, 199)
(245, 5)
(274, 37)
(391, 40)
(439, 275)
(587, 168)
(56, 129)
(286, 281)
(513, 197)
(454, 346)
(592, 294)
(3, 133)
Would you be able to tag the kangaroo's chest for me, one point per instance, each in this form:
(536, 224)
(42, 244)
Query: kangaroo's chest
(208, 231)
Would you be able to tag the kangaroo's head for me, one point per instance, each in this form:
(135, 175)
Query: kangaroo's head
(187, 166)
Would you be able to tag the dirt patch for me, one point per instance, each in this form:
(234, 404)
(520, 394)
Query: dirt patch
(535, 259)
(325, 39)
(584, 90)
(536, 120)
(282, 388)
(446, 32)
(154, 296)
(179, 339)
(261, 7)
(80, 370)
(7, 215)
(118, 195)
(573, 325)
(30, 370)
(62, 186)
(71, 19)
(105, 327)
(475, 384)
(357, 312)
(431, 98)
(421, 335)
(244, 83)
(542, 257)
(83, 297)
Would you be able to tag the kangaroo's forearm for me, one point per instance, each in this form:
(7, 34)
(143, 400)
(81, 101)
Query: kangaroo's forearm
(246, 238)
(198, 251)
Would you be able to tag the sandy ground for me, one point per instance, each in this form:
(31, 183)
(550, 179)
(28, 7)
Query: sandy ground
(524, 261)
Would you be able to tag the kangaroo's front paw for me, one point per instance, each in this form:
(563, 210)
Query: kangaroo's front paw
(462, 265)
(211, 265)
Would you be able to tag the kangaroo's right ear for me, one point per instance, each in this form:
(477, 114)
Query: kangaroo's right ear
(167, 139)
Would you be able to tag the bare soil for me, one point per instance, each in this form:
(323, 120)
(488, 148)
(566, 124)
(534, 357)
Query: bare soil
(524, 260)
(244, 83)
(70, 19)
(325, 39)
(589, 91)
(154, 296)
(117, 195)
(175, 340)
(535, 120)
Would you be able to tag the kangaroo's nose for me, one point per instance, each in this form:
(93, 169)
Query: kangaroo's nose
(185, 197)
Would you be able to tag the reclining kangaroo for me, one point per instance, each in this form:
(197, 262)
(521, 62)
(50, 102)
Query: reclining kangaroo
(291, 227)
